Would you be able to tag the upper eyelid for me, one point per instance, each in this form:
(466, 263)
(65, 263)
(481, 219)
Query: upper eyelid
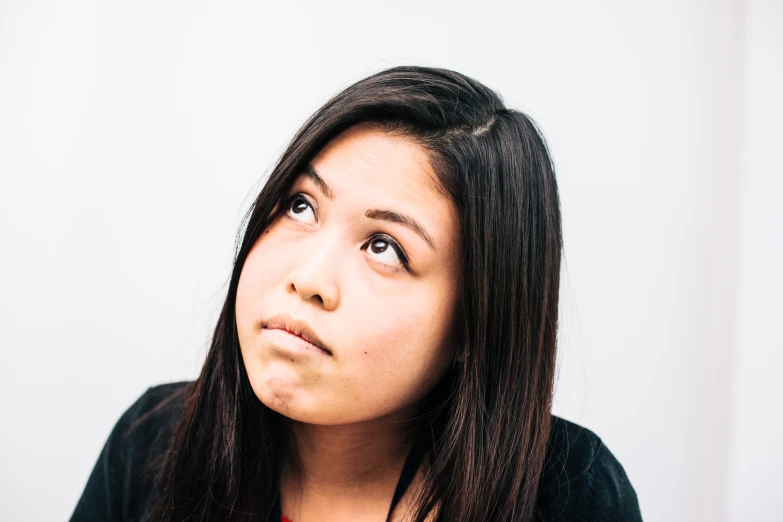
(293, 193)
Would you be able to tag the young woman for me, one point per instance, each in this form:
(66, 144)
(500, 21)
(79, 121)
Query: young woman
(386, 350)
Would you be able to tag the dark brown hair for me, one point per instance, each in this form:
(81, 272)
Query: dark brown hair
(489, 418)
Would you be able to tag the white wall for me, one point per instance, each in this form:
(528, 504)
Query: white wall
(133, 135)
(757, 427)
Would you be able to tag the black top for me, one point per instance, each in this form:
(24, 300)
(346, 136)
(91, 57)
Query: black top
(582, 479)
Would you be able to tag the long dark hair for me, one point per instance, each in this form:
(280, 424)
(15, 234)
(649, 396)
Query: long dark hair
(489, 419)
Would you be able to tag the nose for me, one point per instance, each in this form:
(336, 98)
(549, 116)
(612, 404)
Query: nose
(315, 276)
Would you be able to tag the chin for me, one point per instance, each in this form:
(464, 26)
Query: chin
(286, 393)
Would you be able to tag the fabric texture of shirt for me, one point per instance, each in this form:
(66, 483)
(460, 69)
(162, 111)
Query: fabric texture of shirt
(582, 480)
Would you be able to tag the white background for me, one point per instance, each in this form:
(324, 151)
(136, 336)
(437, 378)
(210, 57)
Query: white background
(134, 134)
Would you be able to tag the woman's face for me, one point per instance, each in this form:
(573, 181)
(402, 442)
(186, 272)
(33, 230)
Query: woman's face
(328, 259)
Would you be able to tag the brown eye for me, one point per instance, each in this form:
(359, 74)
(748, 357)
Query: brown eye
(380, 245)
(297, 205)
(381, 249)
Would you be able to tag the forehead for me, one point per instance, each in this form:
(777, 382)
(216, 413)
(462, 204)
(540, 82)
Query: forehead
(373, 158)
(368, 168)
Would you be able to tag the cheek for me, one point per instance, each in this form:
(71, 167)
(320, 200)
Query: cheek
(400, 353)
(260, 272)
(248, 286)
(262, 266)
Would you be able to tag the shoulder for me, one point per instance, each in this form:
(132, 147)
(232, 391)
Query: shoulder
(156, 410)
(145, 426)
(122, 478)
(144, 430)
(583, 480)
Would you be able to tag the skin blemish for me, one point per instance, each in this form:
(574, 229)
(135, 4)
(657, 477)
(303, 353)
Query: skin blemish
(281, 393)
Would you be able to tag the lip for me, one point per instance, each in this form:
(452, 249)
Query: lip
(298, 328)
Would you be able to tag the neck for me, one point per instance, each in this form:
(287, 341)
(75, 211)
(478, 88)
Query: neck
(345, 466)
(349, 456)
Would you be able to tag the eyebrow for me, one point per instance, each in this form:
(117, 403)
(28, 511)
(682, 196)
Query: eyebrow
(382, 215)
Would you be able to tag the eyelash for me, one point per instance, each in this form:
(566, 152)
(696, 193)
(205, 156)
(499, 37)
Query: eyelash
(384, 237)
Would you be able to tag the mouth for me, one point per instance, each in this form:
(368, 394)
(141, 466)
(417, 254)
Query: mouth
(299, 329)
